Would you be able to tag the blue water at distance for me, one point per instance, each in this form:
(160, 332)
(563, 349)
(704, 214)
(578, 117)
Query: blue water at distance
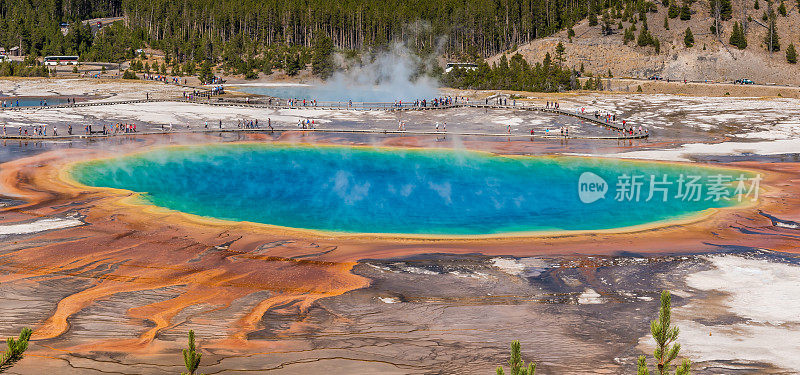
(31, 102)
(385, 190)
(335, 94)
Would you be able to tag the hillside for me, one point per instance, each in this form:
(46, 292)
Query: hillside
(708, 59)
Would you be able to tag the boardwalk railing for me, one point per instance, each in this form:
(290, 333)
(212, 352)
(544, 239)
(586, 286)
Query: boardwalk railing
(332, 105)
(212, 130)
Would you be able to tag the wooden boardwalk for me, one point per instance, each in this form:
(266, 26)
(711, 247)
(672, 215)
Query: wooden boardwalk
(360, 106)
(100, 135)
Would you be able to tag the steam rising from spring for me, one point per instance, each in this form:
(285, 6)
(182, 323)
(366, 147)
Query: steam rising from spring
(383, 77)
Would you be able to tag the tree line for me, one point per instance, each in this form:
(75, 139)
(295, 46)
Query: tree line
(197, 30)
(515, 74)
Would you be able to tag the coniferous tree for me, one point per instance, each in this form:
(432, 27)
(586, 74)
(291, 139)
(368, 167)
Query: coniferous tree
(514, 75)
(725, 9)
(191, 358)
(629, 36)
(516, 364)
(771, 40)
(606, 24)
(666, 22)
(686, 12)
(738, 38)
(189, 68)
(322, 63)
(293, 65)
(673, 11)
(15, 349)
(206, 75)
(592, 19)
(644, 39)
(129, 75)
(791, 54)
(176, 69)
(782, 9)
(667, 348)
(688, 38)
(734, 39)
(756, 5)
(560, 54)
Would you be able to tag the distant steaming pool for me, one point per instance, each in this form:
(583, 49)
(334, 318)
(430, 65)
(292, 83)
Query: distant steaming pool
(336, 94)
(387, 190)
(29, 101)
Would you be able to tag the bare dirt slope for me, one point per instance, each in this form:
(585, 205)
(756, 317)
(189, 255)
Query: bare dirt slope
(709, 59)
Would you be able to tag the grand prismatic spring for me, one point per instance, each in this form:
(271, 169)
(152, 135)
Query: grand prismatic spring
(395, 238)
(404, 191)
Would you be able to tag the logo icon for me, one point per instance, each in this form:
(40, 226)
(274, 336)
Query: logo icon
(591, 187)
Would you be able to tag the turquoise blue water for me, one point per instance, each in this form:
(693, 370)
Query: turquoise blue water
(32, 102)
(369, 190)
(342, 94)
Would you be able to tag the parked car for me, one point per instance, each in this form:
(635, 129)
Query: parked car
(743, 81)
(656, 78)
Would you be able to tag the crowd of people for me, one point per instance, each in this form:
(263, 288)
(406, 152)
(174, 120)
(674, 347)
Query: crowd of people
(163, 78)
(298, 102)
(14, 103)
(444, 101)
(245, 124)
(623, 130)
(306, 124)
(32, 130)
(500, 101)
(10, 103)
(419, 103)
(121, 128)
(610, 119)
(194, 94)
(88, 129)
